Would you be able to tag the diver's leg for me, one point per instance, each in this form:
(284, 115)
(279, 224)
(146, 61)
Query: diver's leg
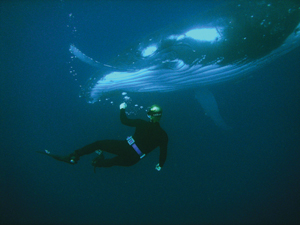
(126, 156)
(111, 146)
(88, 149)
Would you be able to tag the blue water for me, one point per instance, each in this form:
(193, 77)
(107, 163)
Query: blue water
(249, 175)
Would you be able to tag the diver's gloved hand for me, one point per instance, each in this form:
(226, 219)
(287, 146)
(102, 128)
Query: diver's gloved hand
(97, 162)
(158, 168)
(123, 105)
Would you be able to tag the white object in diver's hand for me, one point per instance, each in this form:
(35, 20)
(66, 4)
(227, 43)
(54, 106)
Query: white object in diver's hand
(123, 105)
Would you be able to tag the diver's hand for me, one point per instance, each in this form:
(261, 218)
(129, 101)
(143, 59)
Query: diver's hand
(158, 168)
(123, 105)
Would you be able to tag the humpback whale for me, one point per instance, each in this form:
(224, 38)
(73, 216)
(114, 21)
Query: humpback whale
(223, 44)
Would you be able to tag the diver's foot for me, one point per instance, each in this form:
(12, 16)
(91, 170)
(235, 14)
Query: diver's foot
(74, 158)
(96, 162)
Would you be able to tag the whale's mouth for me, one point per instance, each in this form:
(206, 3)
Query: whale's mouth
(153, 79)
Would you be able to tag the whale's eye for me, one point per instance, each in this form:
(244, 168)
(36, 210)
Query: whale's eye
(149, 50)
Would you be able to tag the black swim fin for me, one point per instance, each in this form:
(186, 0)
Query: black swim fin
(67, 158)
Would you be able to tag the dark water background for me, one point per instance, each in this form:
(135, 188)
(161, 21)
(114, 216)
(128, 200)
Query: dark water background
(249, 175)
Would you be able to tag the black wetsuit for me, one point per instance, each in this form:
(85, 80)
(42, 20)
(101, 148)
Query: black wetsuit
(147, 136)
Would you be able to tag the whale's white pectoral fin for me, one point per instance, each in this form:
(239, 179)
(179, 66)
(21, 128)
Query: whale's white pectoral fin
(210, 106)
(84, 58)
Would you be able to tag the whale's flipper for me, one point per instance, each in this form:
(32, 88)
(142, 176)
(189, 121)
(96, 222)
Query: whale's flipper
(84, 58)
(66, 158)
(210, 106)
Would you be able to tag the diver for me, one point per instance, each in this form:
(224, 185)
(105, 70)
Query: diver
(147, 137)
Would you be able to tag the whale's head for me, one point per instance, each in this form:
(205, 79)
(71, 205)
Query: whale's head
(210, 48)
(160, 63)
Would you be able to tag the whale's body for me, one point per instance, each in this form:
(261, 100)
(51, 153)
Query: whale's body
(222, 44)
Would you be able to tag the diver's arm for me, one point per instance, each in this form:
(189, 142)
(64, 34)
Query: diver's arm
(124, 119)
(162, 156)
